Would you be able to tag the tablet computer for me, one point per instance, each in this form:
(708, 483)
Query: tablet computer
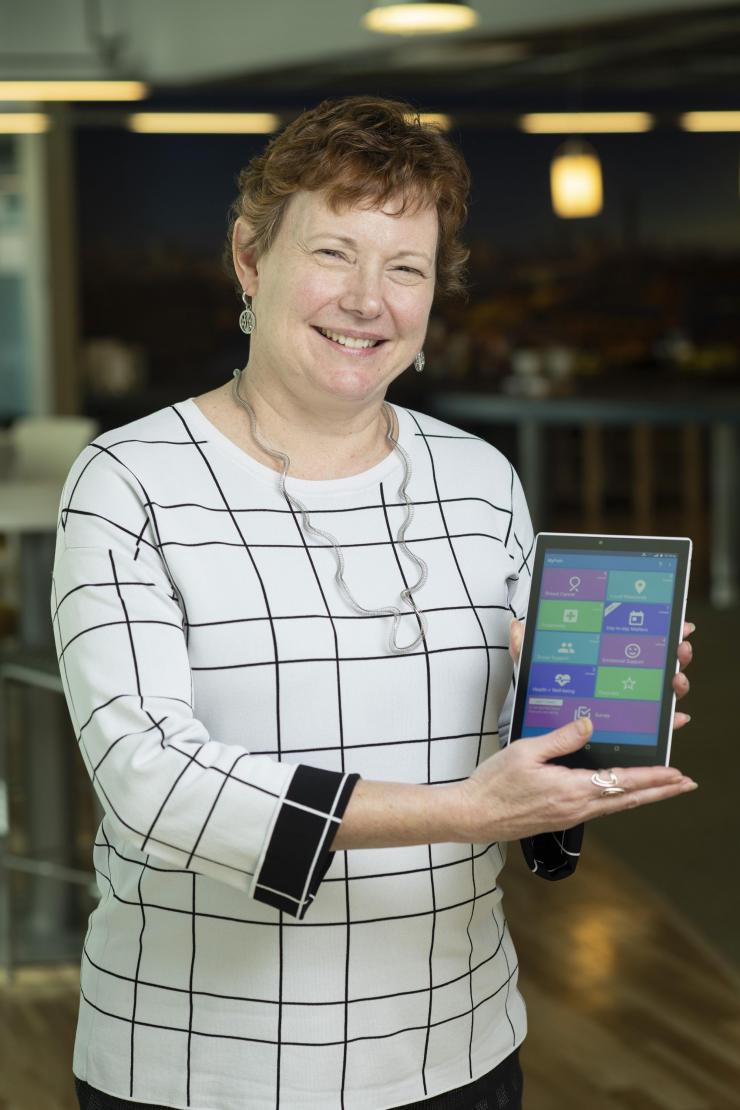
(603, 625)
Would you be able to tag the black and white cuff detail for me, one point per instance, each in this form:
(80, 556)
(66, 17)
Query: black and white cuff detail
(553, 855)
(299, 853)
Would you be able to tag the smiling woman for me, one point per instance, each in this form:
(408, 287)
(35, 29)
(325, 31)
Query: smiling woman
(283, 614)
(343, 231)
(339, 315)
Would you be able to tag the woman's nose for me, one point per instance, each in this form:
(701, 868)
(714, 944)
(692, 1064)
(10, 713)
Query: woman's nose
(362, 293)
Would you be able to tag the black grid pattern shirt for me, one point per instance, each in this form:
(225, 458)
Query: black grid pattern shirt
(225, 699)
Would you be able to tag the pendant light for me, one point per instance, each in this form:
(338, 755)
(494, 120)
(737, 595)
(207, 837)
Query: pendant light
(575, 180)
(416, 17)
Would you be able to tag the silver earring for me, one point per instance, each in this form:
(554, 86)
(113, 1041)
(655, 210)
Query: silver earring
(419, 362)
(247, 320)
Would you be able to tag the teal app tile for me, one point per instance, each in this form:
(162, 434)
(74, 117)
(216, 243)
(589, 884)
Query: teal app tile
(633, 585)
(560, 647)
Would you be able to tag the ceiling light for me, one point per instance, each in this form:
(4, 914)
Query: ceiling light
(419, 18)
(72, 90)
(567, 123)
(204, 123)
(433, 119)
(711, 121)
(23, 123)
(575, 181)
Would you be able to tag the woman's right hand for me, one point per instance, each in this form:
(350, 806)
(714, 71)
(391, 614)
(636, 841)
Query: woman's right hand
(517, 792)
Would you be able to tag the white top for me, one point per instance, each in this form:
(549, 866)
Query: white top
(225, 698)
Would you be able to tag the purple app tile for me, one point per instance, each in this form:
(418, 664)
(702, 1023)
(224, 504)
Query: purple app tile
(586, 585)
(636, 619)
(632, 651)
(608, 714)
(569, 680)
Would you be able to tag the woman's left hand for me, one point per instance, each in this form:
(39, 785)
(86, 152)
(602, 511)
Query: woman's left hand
(681, 684)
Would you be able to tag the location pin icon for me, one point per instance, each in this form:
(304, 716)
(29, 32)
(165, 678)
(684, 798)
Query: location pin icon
(640, 585)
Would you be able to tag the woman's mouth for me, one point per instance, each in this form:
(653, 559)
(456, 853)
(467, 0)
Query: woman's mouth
(348, 342)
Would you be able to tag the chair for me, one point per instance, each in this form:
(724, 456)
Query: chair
(45, 447)
(36, 671)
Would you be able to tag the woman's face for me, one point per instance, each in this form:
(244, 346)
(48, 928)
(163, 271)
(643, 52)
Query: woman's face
(341, 299)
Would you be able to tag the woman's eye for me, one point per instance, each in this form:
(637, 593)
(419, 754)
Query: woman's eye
(410, 270)
(330, 253)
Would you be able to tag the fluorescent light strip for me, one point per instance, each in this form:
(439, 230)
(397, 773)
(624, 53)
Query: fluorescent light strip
(72, 90)
(711, 121)
(420, 19)
(23, 123)
(432, 119)
(566, 123)
(204, 123)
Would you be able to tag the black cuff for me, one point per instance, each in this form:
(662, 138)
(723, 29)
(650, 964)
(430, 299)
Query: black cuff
(299, 853)
(553, 855)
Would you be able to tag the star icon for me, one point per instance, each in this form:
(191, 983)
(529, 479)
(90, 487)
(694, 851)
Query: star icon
(628, 683)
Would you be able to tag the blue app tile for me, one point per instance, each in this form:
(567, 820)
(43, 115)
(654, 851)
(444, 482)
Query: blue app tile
(547, 679)
(621, 616)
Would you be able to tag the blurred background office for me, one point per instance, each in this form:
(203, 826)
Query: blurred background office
(599, 349)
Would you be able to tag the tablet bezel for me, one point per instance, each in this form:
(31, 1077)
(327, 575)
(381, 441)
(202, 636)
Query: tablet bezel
(599, 755)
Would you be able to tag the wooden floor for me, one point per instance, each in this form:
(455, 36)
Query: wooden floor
(628, 1009)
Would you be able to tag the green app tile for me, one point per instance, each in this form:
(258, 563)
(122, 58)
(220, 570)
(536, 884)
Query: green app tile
(623, 682)
(570, 616)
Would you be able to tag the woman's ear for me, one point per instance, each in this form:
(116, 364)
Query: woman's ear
(245, 259)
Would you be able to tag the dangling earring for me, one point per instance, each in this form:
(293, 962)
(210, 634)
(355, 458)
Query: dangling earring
(247, 320)
(419, 362)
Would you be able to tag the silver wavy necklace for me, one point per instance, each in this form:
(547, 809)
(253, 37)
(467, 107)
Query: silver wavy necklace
(308, 527)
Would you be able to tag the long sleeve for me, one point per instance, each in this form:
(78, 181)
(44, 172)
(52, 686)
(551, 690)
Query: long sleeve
(168, 787)
(549, 855)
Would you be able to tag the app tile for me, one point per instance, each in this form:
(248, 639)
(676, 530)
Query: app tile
(558, 647)
(609, 715)
(622, 616)
(634, 651)
(570, 681)
(584, 585)
(648, 586)
(629, 684)
(570, 616)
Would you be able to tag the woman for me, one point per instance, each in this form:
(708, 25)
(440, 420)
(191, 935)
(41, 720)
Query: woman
(282, 611)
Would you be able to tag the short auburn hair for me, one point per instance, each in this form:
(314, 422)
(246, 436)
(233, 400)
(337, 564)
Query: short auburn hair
(359, 150)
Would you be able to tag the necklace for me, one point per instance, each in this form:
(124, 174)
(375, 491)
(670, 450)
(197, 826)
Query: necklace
(408, 592)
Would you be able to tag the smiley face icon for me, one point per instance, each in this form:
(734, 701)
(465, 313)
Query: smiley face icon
(632, 651)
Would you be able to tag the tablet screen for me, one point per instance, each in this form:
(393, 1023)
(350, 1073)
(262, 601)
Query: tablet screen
(604, 644)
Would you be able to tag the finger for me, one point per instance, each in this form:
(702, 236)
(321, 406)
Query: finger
(516, 638)
(685, 654)
(634, 779)
(681, 685)
(688, 628)
(568, 738)
(617, 803)
(680, 719)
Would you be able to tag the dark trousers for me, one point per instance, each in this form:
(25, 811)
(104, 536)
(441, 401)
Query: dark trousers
(500, 1089)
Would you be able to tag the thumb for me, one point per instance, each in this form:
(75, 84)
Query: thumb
(563, 740)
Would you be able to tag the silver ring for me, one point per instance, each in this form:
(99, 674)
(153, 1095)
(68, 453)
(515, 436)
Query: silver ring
(608, 786)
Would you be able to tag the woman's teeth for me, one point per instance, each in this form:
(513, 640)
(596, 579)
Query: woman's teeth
(347, 340)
